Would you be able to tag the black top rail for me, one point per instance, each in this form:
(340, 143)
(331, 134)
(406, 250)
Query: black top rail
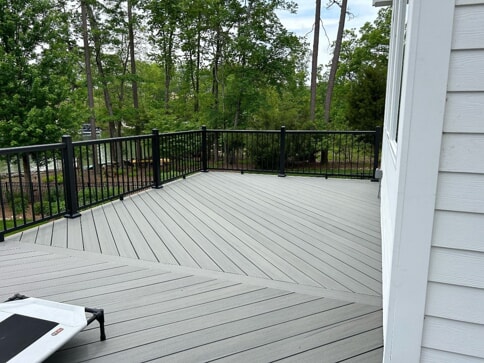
(30, 149)
(42, 182)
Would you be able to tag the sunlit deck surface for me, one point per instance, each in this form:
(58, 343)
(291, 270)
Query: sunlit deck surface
(220, 266)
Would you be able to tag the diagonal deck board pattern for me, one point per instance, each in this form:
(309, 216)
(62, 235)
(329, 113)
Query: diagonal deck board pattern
(156, 314)
(310, 231)
(220, 266)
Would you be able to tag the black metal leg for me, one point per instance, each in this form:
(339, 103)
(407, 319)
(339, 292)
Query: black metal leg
(97, 314)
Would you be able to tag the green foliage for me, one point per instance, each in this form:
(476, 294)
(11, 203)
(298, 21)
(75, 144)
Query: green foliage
(48, 208)
(36, 73)
(366, 98)
(264, 153)
(90, 195)
(219, 63)
(218, 58)
(58, 179)
(359, 95)
(17, 201)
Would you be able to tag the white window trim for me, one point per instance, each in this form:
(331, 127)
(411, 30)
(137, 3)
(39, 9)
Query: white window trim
(395, 71)
(378, 3)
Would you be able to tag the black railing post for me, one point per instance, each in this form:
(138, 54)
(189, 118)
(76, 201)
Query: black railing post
(155, 145)
(376, 152)
(72, 206)
(204, 149)
(282, 153)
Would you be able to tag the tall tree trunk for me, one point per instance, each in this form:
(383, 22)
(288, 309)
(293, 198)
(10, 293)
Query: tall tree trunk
(168, 67)
(119, 123)
(197, 70)
(335, 61)
(29, 193)
(87, 64)
(134, 83)
(215, 80)
(90, 88)
(238, 111)
(314, 66)
(216, 75)
(100, 68)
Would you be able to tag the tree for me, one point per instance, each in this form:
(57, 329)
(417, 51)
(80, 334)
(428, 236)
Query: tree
(87, 65)
(335, 61)
(314, 65)
(235, 49)
(96, 33)
(132, 58)
(36, 75)
(164, 19)
(362, 72)
(264, 54)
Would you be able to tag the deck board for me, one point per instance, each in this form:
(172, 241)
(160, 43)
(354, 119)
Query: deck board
(133, 233)
(118, 231)
(260, 223)
(74, 233)
(255, 243)
(107, 244)
(59, 234)
(89, 233)
(216, 230)
(220, 266)
(196, 229)
(151, 237)
(283, 338)
(157, 217)
(361, 336)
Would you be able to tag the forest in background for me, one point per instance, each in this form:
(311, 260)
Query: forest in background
(130, 66)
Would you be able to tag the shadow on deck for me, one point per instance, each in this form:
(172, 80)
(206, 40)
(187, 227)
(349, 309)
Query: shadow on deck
(217, 266)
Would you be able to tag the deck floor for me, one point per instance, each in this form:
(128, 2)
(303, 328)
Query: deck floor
(217, 266)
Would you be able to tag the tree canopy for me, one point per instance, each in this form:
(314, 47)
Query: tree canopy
(37, 73)
(361, 77)
(174, 65)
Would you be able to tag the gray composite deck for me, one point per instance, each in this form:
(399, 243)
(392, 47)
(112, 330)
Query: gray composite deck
(220, 266)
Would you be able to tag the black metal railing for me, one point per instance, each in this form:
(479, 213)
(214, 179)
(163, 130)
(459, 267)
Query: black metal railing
(350, 154)
(42, 182)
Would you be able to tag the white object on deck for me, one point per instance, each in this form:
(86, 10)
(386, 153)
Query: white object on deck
(70, 320)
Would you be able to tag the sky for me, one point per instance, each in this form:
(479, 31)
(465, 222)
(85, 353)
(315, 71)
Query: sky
(302, 22)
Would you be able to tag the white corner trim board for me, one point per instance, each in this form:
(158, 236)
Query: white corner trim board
(421, 119)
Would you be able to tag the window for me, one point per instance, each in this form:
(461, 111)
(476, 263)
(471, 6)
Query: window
(395, 67)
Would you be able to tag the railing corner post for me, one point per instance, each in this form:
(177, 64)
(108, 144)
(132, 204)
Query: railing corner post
(204, 150)
(282, 153)
(2, 237)
(155, 152)
(70, 192)
(376, 153)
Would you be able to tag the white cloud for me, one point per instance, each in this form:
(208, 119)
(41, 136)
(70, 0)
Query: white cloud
(302, 23)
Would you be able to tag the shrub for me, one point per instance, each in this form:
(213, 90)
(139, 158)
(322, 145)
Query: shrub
(17, 202)
(44, 208)
(53, 179)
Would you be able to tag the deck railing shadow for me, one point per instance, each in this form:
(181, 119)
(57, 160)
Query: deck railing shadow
(43, 182)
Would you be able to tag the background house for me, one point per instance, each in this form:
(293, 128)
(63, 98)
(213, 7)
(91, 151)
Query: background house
(433, 183)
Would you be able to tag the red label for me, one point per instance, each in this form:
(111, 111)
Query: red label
(57, 331)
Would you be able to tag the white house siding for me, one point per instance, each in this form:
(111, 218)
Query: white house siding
(454, 315)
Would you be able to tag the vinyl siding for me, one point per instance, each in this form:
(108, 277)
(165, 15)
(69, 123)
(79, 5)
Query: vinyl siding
(454, 314)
